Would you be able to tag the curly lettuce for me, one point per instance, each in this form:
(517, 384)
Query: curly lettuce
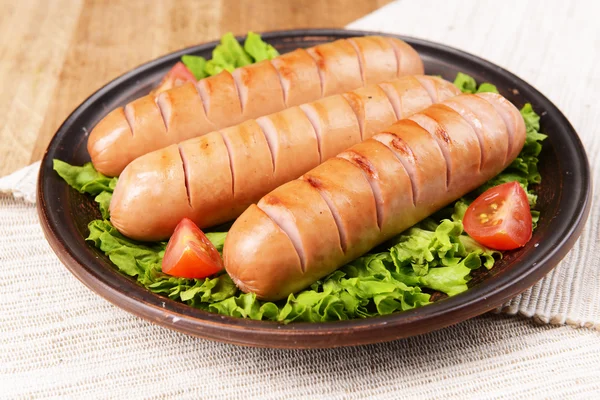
(86, 179)
(229, 55)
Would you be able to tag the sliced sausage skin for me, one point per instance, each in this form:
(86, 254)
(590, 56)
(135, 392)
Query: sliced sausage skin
(335, 124)
(372, 108)
(183, 112)
(438, 89)
(259, 89)
(228, 170)
(488, 126)
(249, 92)
(251, 165)
(351, 200)
(287, 208)
(339, 68)
(292, 141)
(221, 99)
(409, 62)
(461, 149)
(299, 77)
(411, 94)
(418, 150)
(515, 124)
(377, 59)
(207, 160)
(256, 228)
(111, 140)
(422, 158)
(129, 209)
(389, 182)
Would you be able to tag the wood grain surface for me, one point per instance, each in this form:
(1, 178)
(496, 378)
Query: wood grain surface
(53, 54)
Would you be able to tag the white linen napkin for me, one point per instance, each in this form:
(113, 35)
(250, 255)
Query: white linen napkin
(22, 183)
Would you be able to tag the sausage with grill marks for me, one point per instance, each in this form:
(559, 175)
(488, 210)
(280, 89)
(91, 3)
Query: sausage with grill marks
(226, 171)
(227, 99)
(374, 190)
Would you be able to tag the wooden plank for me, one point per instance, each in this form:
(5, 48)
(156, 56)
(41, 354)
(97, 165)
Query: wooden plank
(266, 15)
(111, 38)
(34, 41)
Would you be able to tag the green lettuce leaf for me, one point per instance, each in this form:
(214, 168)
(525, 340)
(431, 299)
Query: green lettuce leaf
(84, 179)
(467, 84)
(103, 200)
(228, 55)
(486, 87)
(196, 65)
(532, 120)
(131, 257)
(258, 49)
(438, 256)
(245, 306)
(217, 238)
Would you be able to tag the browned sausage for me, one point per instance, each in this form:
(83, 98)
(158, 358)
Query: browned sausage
(227, 99)
(369, 193)
(226, 171)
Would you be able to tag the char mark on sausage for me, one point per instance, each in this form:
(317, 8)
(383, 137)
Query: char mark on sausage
(318, 185)
(266, 128)
(185, 174)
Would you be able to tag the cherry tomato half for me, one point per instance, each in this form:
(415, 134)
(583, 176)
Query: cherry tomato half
(500, 218)
(190, 254)
(177, 75)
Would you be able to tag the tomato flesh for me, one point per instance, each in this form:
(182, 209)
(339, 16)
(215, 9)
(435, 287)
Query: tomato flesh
(190, 254)
(500, 218)
(177, 75)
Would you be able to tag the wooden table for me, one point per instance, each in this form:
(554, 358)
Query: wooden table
(53, 54)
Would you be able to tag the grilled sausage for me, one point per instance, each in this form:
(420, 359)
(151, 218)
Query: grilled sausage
(309, 227)
(214, 178)
(227, 99)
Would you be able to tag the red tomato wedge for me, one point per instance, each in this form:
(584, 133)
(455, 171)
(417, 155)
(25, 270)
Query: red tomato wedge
(500, 218)
(190, 254)
(177, 75)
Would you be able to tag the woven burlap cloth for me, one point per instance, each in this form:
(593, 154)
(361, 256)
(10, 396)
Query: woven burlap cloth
(59, 339)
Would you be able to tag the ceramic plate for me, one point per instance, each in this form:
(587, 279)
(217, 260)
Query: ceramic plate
(564, 200)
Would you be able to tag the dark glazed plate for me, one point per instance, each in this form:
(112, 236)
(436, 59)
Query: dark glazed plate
(564, 202)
